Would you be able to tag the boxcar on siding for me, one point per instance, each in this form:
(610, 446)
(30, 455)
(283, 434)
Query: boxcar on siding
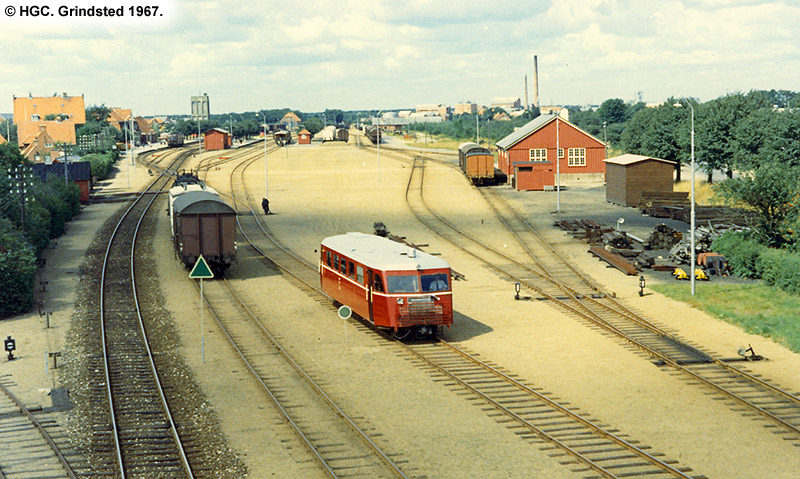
(204, 224)
(476, 162)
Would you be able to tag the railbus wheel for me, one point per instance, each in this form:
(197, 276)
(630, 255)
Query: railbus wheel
(402, 333)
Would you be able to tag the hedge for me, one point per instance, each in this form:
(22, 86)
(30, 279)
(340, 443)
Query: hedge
(748, 258)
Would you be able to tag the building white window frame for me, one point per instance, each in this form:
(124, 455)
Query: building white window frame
(537, 154)
(561, 152)
(576, 157)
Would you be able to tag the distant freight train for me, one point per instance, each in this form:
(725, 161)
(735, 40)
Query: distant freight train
(389, 284)
(175, 139)
(202, 224)
(476, 162)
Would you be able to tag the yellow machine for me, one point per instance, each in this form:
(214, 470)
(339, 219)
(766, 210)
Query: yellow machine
(679, 273)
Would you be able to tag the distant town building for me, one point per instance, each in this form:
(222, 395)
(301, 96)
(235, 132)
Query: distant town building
(201, 108)
(438, 109)
(563, 112)
(2, 140)
(508, 103)
(59, 115)
(40, 148)
(468, 108)
(290, 120)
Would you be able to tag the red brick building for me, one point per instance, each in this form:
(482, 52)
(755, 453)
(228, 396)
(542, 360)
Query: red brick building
(304, 137)
(217, 139)
(528, 155)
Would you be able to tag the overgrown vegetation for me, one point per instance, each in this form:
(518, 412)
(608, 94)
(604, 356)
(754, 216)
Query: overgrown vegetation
(30, 215)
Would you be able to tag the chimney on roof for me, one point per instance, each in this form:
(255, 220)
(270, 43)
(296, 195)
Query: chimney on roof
(536, 81)
(65, 95)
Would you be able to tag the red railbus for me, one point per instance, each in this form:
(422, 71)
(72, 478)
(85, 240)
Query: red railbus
(389, 284)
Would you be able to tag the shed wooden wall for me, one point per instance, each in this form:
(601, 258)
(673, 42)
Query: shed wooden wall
(625, 183)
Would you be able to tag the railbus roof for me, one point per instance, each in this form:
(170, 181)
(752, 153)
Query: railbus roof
(382, 253)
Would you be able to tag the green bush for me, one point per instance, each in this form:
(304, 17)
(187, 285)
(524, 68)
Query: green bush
(781, 268)
(17, 271)
(101, 163)
(741, 253)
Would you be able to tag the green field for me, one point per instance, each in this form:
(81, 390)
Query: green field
(758, 308)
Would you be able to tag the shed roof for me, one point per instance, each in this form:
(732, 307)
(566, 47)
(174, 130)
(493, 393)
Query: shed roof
(629, 159)
(218, 130)
(382, 253)
(77, 171)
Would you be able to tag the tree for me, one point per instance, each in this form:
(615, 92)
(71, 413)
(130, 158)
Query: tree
(660, 132)
(716, 130)
(17, 271)
(613, 111)
(771, 190)
(313, 125)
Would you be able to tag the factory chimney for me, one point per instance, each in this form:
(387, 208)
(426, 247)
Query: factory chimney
(526, 92)
(536, 81)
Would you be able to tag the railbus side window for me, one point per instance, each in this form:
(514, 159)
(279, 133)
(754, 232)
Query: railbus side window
(377, 285)
(360, 274)
(351, 270)
(343, 265)
(335, 262)
(328, 257)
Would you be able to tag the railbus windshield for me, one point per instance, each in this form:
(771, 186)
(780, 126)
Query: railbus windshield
(402, 284)
(432, 283)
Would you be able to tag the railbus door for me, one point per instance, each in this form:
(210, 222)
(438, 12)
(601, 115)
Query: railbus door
(369, 295)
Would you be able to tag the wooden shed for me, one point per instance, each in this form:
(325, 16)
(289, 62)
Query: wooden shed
(304, 137)
(217, 139)
(628, 175)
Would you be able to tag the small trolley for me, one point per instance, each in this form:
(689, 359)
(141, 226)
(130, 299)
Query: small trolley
(387, 283)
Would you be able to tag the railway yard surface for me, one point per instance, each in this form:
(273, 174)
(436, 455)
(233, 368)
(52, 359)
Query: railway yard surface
(425, 422)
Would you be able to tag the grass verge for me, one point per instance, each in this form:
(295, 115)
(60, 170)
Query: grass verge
(758, 308)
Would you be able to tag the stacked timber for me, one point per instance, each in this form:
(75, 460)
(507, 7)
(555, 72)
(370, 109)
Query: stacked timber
(587, 229)
(716, 215)
(663, 237)
(662, 204)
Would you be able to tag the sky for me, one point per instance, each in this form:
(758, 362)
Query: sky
(363, 54)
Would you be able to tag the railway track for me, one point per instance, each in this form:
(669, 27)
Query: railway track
(342, 446)
(29, 450)
(137, 436)
(532, 414)
(552, 277)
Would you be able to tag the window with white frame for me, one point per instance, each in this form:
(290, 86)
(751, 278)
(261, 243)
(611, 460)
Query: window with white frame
(561, 152)
(576, 157)
(538, 154)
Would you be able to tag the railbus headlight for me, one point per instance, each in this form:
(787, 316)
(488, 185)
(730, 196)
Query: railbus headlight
(399, 300)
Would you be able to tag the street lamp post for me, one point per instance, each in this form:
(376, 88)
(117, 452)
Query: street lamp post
(693, 251)
(266, 181)
(558, 163)
(378, 140)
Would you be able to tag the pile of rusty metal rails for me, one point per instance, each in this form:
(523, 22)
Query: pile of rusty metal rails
(704, 236)
(586, 229)
(663, 237)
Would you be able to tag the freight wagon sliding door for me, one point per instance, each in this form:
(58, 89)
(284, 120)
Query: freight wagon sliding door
(210, 235)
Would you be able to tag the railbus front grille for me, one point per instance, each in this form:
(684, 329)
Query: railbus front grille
(421, 313)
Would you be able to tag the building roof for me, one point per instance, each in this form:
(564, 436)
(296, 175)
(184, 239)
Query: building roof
(217, 130)
(73, 106)
(58, 131)
(382, 253)
(290, 116)
(629, 159)
(528, 128)
(303, 132)
(77, 171)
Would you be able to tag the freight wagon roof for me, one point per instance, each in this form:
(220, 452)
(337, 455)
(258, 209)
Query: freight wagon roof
(381, 253)
(194, 202)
